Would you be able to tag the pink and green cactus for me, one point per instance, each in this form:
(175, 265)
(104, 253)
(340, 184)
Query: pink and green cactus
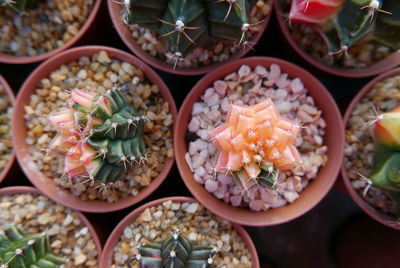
(101, 136)
(255, 143)
(344, 23)
(176, 251)
(20, 5)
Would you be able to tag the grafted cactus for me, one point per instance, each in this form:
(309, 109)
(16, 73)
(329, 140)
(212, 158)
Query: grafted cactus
(187, 24)
(177, 252)
(343, 23)
(101, 136)
(255, 143)
(18, 250)
(20, 5)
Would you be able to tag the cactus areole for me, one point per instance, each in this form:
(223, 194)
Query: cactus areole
(187, 24)
(101, 136)
(18, 250)
(343, 23)
(20, 5)
(177, 252)
(255, 143)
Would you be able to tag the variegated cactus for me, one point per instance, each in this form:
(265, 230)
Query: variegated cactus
(18, 250)
(177, 252)
(20, 5)
(343, 23)
(255, 143)
(101, 136)
(187, 24)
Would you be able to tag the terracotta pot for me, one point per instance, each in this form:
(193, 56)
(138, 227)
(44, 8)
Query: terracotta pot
(114, 8)
(386, 64)
(106, 258)
(10, 94)
(45, 184)
(312, 194)
(31, 190)
(6, 58)
(374, 213)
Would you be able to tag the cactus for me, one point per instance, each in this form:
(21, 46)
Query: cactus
(255, 143)
(187, 24)
(20, 5)
(18, 249)
(101, 136)
(175, 251)
(343, 23)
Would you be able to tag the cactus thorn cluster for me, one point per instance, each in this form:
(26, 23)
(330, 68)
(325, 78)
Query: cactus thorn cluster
(100, 135)
(20, 5)
(255, 143)
(175, 251)
(18, 249)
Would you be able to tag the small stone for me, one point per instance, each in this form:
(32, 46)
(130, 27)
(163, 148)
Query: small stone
(82, 74)
(192, 208)
(103, 57)
(220, 87)
(145, 216)
(244, 70)
(80, 259)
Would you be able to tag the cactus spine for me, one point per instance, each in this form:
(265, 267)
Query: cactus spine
(101, 136)
(20, 5)
(343, 23)
(187, 24)
(255, 143)
(175, 251)
(18, 249)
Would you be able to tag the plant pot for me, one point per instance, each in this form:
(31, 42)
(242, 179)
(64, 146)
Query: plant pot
(10, 94)
(126, 36)
(367, 208)
(107, 257)
(384, 65)
(6, 58)
(46, 184)
(312, 194)
(30, 190)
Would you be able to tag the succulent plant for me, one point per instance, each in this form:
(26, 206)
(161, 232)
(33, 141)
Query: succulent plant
(101, 136)
(343, 23)
(19, 250)
(187, 24)
(20, 5)
(255, 143)
(177, 252)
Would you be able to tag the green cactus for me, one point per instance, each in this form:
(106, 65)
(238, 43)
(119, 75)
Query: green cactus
(187, 24)
(101, 136)
(177, 252)
(19, 250)
(20, 5)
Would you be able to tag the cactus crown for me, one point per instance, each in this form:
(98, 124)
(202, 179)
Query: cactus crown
(18, 249)
(343, 23)
(20, 5)
(175, 251)
(186, 24)
(101, 136)
(255, 143)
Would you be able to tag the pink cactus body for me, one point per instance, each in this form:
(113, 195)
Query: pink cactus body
(313, 11)
(254, 137)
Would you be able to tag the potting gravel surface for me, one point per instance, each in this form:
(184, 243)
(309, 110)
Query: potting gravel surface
(5, 128)
(98, 74)
(69, 237)
(194, 221)
(213, 52)
(360, 147)
(248, 87)
(49, 26)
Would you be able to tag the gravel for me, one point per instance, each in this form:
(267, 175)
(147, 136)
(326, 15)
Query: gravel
(99, 73)
(69, 237)
(250, 86)
(360, 147)
(5, 128)
(194, 221)
(49, 26)
(210, 53)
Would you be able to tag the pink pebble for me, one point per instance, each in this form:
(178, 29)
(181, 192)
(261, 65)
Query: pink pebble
(220, 87)
(282, 81)
(211, 185)
(304, 117)
(296, 85)
(194, 125)
(236, 200)
(198, 178)
(219, 193)
(224, 179)
(256, 205)
(244, 71)
(208, 94)
(275, 72)
(226, 197)
(261, 70)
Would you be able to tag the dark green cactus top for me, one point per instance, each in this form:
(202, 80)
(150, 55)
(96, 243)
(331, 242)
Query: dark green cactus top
(175, 252)
(21, 250)
(20, 5)
(187, 24)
